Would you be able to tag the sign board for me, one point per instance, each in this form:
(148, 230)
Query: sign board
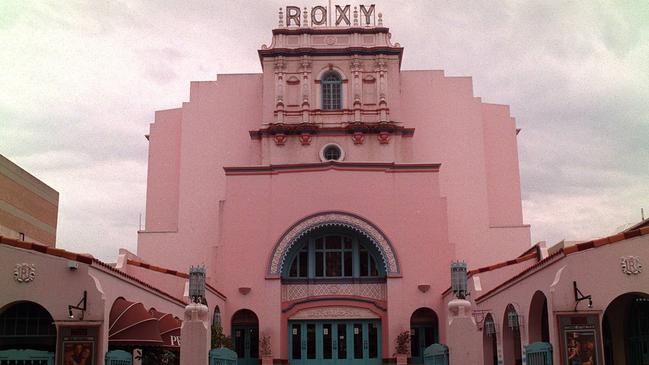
(580, 338)
(331, 15)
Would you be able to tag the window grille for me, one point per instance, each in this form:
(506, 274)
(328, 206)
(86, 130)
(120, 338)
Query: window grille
(332, 91)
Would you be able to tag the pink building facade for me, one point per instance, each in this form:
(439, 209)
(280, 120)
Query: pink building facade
(333, 189)
(327, 198)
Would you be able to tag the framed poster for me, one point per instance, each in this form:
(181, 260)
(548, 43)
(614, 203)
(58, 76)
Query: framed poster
(78, 352)
(580, 339)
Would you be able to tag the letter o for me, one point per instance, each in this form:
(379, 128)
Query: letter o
(323, 15)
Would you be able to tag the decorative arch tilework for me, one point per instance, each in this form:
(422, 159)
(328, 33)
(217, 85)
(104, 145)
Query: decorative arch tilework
(333, 219)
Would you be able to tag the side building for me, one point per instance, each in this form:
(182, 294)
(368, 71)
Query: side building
(28, 207)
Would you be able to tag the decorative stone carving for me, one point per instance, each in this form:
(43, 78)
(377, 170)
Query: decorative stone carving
(358, 137)
(280, 139)
(423, 287)
(24, 273)
(333, 219)
(335, 312)
(305, 139)
(383, 137)
(631, 265)
(367, 290)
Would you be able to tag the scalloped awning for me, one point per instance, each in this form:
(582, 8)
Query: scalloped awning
(131, 324)
(169, 328)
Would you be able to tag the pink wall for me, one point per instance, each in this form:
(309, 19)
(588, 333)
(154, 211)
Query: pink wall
(414, 220)
(468, 210)
(163, 177)
(214, 124)
(469, 138)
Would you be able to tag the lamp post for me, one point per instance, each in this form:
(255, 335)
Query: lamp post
(194, 332)
(196, 284)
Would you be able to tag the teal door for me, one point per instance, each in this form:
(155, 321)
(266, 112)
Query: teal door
(420, 338)
(246, 344)
(330, 342)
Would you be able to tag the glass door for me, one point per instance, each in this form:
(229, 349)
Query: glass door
(246, 344)
(335, 342)
(420, 338)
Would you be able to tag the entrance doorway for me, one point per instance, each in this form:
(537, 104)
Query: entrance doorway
(245, 337)
(625, 330)
(423, 333)
(329, 342)
(27, 334)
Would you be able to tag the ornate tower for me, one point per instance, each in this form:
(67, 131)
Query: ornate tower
(330, 89)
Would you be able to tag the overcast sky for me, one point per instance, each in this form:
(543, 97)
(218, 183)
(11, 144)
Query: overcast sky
(80, 81)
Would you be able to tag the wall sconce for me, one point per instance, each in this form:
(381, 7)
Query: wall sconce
(579, 296)
(490, 327)
(197, 284)
(512, 320)
(458, 279)
(80, 306)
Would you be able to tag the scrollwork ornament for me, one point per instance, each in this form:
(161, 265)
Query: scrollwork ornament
(24, 273)
(631, 265)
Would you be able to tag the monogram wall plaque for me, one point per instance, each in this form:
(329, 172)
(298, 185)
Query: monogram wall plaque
(24, 273)
(631, 265)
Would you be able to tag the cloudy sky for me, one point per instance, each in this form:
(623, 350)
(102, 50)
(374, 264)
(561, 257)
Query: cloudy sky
(80, 82)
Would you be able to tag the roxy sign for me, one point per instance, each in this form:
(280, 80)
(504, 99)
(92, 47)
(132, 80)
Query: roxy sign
(322, 16)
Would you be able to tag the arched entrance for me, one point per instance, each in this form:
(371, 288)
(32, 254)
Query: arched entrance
(423, 333)
(245, 337)
(352, 224)
(626, 330)
(538, 319)
(489, 341)
(511, 337)
(334, 261)
(27, 331)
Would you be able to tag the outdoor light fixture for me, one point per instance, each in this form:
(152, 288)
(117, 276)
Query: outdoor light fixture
(490, 327)
(458, 279)
(579, 296)
(512, 319)
(197, 283)
(80, 306)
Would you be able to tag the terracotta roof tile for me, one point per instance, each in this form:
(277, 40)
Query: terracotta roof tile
(600, 242)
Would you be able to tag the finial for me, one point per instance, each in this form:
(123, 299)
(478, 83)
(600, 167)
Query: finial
(281, 18)
(380, 19)
(355, 16)
(305, 15)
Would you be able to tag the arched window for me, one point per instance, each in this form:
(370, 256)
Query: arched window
(332, 91)
(216, 319)
(334, 255)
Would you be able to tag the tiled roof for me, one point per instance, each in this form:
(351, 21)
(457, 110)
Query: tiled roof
(86, 259)
(568, 251)
(515, 261)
